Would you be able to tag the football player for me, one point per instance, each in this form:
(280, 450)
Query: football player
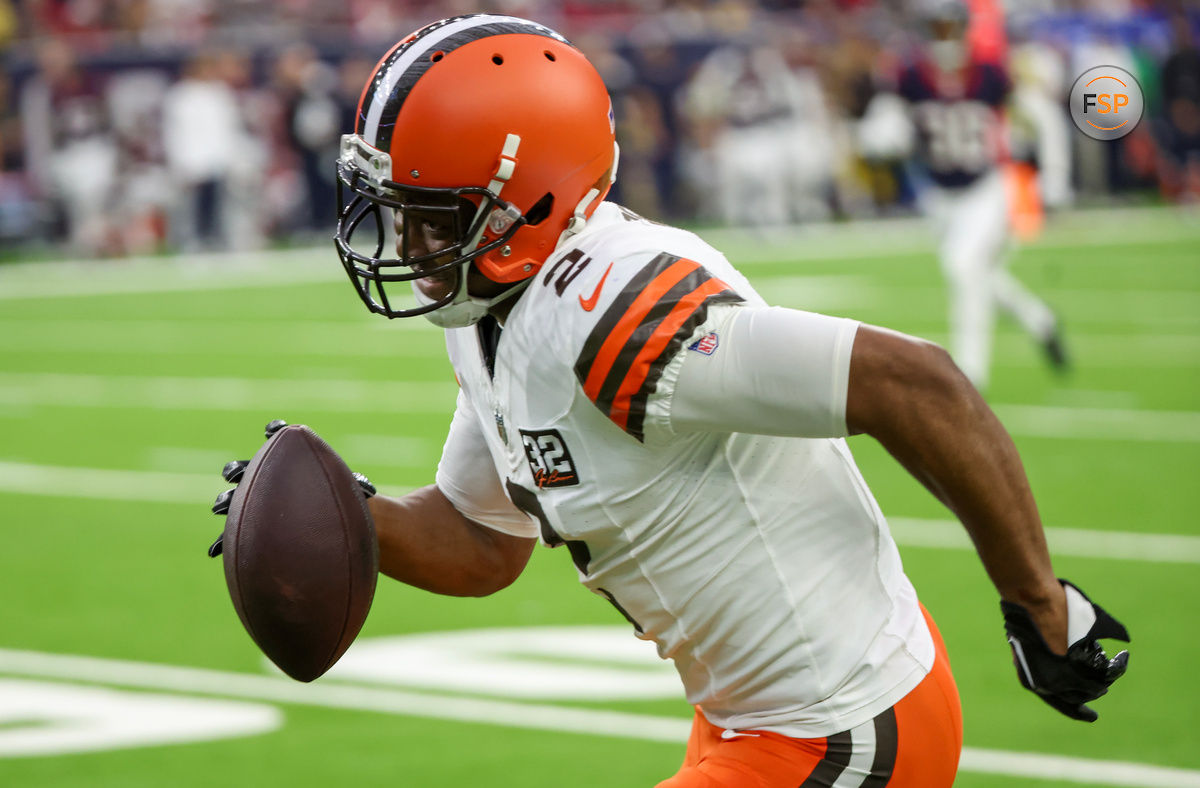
(626, 393)
(946, 110)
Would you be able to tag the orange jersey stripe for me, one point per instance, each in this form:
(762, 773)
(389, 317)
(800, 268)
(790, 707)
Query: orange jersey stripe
(607, 355)
(656, 344)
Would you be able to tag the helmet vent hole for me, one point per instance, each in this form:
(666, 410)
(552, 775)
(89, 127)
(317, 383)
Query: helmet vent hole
(498, 60)
(550, 56)
(540, 210)
(436, 56)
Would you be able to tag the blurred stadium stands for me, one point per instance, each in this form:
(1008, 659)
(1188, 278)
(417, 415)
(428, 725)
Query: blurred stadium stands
(135, 126)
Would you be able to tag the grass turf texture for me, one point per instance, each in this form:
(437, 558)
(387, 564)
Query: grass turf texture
(174, 366)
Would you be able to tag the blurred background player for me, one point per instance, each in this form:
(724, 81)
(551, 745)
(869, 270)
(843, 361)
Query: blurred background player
(203, 129)
(66, 126)
(1179, 128)
(948, 107)
(763, 132)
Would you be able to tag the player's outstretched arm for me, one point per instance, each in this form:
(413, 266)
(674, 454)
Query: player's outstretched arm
(424, 541)
(911, 397)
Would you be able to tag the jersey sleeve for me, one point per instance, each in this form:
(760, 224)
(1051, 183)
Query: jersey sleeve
(640, 330)
(762, 370)
(468, 478)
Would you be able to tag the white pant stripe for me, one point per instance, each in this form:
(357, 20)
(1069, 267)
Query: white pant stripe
(862, 740)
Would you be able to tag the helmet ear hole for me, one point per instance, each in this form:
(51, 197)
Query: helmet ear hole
(540, 210)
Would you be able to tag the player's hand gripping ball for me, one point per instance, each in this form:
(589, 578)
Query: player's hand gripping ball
(301, 557)
(1067, 682)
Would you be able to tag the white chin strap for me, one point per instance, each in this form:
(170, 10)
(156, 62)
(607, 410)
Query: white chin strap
(465, 310)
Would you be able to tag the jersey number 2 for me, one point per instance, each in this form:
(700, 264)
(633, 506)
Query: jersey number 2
(572, 265)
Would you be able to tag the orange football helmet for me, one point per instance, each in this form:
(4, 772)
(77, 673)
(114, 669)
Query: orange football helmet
(495, 122)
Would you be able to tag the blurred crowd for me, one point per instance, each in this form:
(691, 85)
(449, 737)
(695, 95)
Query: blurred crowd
(131, 126)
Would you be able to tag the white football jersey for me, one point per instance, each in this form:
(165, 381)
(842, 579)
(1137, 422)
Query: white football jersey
(760, 565)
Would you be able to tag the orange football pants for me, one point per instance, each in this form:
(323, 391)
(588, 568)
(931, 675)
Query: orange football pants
(914, 744)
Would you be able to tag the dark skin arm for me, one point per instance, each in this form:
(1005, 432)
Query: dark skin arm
(911, 397)
(425, 542)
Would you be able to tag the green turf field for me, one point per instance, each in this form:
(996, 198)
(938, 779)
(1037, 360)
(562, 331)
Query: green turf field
(124, 387)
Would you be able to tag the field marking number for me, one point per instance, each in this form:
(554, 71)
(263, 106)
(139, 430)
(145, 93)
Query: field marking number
(543, 663)
(39, 718)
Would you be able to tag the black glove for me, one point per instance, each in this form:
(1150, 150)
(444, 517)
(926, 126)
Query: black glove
(232, 473)
(1085, 672)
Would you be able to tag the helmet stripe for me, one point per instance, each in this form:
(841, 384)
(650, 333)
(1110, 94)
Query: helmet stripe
(399, 72)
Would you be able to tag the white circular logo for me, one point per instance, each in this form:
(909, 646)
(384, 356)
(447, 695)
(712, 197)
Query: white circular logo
(1106, 102)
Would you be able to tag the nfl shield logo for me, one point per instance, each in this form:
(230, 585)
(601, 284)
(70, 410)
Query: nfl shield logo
(706, 344)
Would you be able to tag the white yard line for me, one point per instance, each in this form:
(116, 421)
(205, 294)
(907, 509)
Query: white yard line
(332, 695)
(28, 389)
(400, 339)
(174, 275)
(1104, 307)
(181, 338)
(832, 241)
(913, 236)
(1035, 766)
(190, 263)
(1146, 426)
(196, 489)
(530, 716)
(1075, 542)
(110, 485)
(225, 394)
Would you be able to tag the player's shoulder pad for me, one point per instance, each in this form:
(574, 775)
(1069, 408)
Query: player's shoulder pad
(630, 294)
(991, 83)
(913, 80)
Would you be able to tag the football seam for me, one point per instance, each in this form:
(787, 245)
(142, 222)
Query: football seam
(313, 438)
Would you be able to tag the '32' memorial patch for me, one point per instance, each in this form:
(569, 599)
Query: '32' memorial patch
(549, 460)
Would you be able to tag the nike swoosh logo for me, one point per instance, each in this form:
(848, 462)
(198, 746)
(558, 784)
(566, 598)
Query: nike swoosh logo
(590, 303)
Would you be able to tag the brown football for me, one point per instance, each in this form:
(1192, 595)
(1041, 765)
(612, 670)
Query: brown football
(301, 559)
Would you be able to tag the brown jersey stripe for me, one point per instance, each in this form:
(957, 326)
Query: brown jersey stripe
(652, 366)
(623, 358)
(636, 380)
(642, 333)
(621, 319)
